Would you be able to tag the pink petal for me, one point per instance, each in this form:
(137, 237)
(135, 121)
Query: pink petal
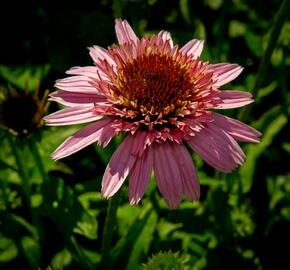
(89, 71)
(217, 148)
(165, 36)
(193, 47)
(233, 99)
(119, 167)
(108, 132)
(124, 32)
(99, 54)
(76, 99)
(72, 115)
(84, 137)
(190, 184)
(236, 129)
(167, 174)
(225, 73)
(140, 176)
(79, 84)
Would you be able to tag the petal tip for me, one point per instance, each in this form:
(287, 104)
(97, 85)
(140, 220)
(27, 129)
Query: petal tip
(54, 156)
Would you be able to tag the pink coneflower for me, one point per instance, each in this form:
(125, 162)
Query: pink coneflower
(161, 96)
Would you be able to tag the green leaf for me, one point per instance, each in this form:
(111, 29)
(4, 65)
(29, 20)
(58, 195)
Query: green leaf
(61, 259)
(91, 198)
(28, 76)
(60, 204)
(51, 139)
(8, 249)
(134, 245)
(254, 43)
(166, 228)
(236, 29)
(279, 191)
(286, 147)
(126, 216)
(78, 252)
(210, 181)
(277, 57)
(142, 243)
(21, 221)
(87, 227)
(265, 91)
(271, 122)
(13, 225)
(5, 165)
(184, 9)
(31, 250)
(285, 212)
(214, 4)
(200, 32)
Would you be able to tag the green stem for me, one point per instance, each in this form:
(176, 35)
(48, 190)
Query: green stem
(4, 186)
(78, 253)
(25, 183)
(37, 158)
(281, 16)
(109, 227)
(21, 170)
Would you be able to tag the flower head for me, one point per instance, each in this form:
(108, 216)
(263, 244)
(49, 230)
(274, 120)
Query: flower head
(21, 112)
(161, 96)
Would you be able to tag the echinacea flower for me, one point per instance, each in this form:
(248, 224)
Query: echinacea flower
(21, 112)
(161, 96)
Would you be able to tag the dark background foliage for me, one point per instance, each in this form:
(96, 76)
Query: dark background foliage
(52, 214)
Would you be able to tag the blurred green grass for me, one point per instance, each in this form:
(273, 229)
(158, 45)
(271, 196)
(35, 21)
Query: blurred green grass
(242, 218)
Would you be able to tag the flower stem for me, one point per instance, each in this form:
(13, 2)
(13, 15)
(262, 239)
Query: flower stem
(25, 183)
(37, 158)
(4, 187)
(21, 170)
(281, 16)
(109, 227)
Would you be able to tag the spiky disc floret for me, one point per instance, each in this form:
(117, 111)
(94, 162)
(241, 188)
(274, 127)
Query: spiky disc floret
(154, 83)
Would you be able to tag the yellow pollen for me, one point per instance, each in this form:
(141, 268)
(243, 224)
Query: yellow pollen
(155, 85)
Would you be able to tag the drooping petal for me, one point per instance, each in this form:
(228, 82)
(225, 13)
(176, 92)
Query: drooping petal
(72, 115)
(190, 184)
(217, 148)
(224, 73)
(233, 99)
(193, 47)
(119, 167)
(89, 71)
(167, 174)
(124, 32)
(76, 99)
(140, 176)
(236, 129)
(84, 137)
(80, 84)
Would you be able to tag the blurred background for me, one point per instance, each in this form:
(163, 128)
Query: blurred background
(51, 213)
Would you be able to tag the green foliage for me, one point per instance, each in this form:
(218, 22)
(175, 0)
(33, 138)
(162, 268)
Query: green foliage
(61, 205)
(271, 122)
(166, 261)
(25, 77)
(8, 250)
(52, 214)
